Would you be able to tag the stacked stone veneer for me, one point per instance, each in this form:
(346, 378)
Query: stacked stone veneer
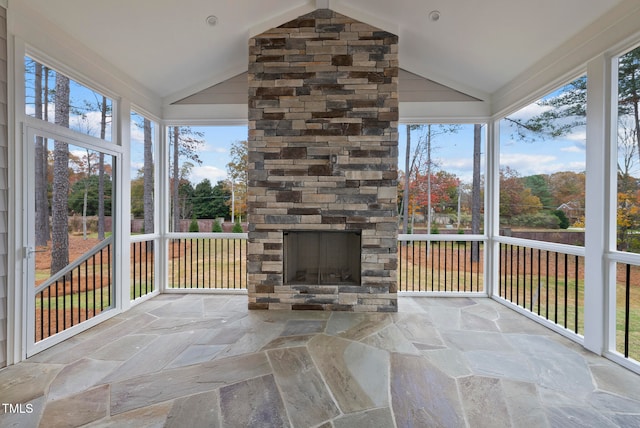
(323, 149)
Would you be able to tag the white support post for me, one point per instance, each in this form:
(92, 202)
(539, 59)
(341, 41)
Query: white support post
(162, 201)
(596, 202)
(492, 203)
(122, 231)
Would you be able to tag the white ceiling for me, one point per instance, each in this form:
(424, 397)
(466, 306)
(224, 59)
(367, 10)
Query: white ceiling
(476, 47)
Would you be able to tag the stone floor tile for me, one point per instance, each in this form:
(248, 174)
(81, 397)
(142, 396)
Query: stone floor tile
(306, 396)
(444, 318)
(356, 326)
(451, 362)
(253, 403)
(80, 409)
(298, 327)
(507, 365)
(418, 329)
(614, 403)
(175, 383)
(376, 418)
(25, 382)
(407, 366)
(617, 380)
(483, 400)
(147, 417)
(182, 308)
(196, 354)
(124, 348)
(578, 417)
(356, 374)
(474, 322)
(473, 341)
(524, 404)
(195, 411)
(422, 395)
(28, 413)
(391, 339)
(149, 360)
(288, 342)
(78, 376)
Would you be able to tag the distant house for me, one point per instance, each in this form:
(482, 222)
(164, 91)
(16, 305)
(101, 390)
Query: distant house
(573, 210)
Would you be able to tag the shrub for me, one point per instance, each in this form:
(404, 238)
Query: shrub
(237, 228)
(217, 227)
(564, 221)
(193, 226)
(538, 220)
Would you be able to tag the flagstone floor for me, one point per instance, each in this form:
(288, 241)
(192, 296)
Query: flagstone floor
(206, 361)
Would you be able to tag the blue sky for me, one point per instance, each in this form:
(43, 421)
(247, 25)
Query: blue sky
(450, 152)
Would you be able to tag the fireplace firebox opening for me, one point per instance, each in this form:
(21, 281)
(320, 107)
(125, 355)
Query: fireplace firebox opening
(322, 257)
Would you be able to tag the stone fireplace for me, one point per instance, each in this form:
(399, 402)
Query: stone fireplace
(323, 149)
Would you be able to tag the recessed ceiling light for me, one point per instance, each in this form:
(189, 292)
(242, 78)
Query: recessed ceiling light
(434, 15)
(212, 20)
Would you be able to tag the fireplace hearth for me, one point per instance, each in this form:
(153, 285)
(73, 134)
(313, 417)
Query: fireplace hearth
(321, 258)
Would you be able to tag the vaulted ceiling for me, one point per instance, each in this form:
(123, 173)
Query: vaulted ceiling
(474, 48)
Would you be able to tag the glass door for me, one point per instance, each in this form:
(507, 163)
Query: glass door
(69, 200)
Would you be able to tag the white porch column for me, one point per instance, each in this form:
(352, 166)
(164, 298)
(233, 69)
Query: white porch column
(599, 93)
(122, 230)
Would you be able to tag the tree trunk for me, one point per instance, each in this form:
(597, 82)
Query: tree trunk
(475, 192)
(176, 180)
(86, 196)
(103, 131)
(148, 178)
(45, 154)
(407, 182)
(429, 219)
(60, 222)
(41, 205)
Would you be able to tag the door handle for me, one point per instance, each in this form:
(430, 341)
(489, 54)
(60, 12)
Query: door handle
(31, 250)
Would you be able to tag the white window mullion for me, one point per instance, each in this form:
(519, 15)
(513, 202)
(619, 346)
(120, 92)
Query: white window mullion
(122, 115)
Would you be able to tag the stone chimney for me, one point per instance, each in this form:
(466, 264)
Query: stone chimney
(323, 156)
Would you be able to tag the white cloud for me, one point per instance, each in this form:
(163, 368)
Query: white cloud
(572, 149)
(531, 164)
(212, 173)
(209, 148)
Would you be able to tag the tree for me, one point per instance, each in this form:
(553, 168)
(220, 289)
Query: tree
(629, 90)
(86, 166)
(104, 110)
(193, 226)
(563, 111)
(237, 171)
(420, 163)
(221, 197)
(515, 198)
(40, 171)
(185, 143)
(59, 221)
(443, 194)
(567, 186)
(476, 202)
(540, 187)
(148, 178)
(203, 200)
(90, 206)
(137, 196)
